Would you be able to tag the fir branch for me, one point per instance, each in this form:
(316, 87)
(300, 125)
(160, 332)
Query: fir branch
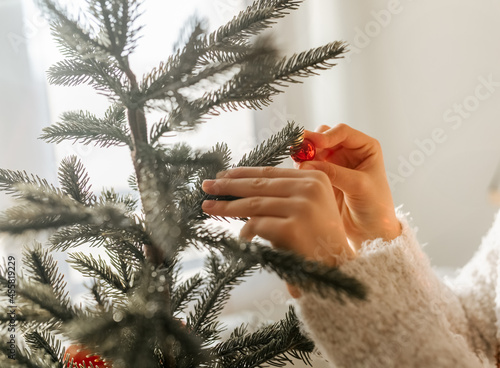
(76, 235)
(88, 266)
(251, 21)
(291, 267)
(89, 61)
(167, 76)
(230, 97)
(160, 128)
(42, 210)
(255, 85)
(309, 275)
(103, 75)
(192, 30)
(110, 197)
(190, 204)
(161, 186)
(71, 73)
(157, 89)
(223, 278)
(100, 296)
(237, 54)
(9, 179)
(86, 128)
(47, 343)
(27, 317)
(131, 252)
(42, 269)
(273, 345)
(184, 113)
(23, 358)
(185, 293)
(43, 296)
(132, 183)
(203, 59)
(127, 241)
(306, 64)
(135, 331)
(74, 181)
(70, 32)
(272, 152)
(117, 37)
(124, 266)
(6, 315)
(117, 18)
(276, 149)
(20, 219)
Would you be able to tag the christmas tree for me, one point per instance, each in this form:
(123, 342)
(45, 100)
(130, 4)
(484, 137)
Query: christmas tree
(140, 313)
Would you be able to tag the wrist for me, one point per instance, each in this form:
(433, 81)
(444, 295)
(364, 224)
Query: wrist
(386, 230)
(333, 255)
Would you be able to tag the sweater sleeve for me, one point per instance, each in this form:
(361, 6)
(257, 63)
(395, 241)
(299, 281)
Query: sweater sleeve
(410, 318)
(476, 286)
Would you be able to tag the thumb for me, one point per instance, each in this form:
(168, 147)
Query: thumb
(347, 180)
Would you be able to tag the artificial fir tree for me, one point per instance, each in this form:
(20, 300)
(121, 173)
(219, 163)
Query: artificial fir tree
(141, 314)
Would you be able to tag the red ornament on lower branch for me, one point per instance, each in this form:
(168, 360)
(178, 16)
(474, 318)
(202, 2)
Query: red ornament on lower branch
(81, 355)
(305, 152)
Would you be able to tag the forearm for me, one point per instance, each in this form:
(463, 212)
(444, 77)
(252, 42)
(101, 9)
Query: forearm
(410, 319)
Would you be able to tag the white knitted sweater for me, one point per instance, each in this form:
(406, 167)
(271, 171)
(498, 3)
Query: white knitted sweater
(412, 318)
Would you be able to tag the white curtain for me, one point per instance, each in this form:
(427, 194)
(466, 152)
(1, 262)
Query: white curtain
(422, 77)
(23, 97)
(23, 101)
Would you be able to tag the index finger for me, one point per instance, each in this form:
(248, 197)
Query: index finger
(341, 134)
(259, 172)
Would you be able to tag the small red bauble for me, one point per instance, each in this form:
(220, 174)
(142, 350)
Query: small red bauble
(305, 152)
(80, 355)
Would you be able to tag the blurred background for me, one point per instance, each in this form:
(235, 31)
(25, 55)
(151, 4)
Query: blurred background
(423, 77)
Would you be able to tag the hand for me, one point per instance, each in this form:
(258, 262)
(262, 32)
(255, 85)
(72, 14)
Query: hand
(354, 164)
(293, 209)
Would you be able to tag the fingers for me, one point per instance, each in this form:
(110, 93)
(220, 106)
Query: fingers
(322, 128)
(270, 228)
(294, 291)
(249, 187)
(248, 207)
(341, 134)
(347, 180)
(259, 172)
(319, 155)
(299, 181)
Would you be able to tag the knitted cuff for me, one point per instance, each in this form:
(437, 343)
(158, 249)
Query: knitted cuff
(402, 322)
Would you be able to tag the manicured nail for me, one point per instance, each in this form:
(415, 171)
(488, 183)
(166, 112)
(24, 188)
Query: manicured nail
(208, 204)
(207, 184)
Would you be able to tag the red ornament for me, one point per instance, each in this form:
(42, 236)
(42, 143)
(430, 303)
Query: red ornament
(305, 152)
(81, 355)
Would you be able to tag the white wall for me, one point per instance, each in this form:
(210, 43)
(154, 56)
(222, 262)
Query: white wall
(411, 64)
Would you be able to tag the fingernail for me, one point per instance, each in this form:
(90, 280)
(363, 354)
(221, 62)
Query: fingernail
(207, 184)
(220, 174)
(208, 204)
